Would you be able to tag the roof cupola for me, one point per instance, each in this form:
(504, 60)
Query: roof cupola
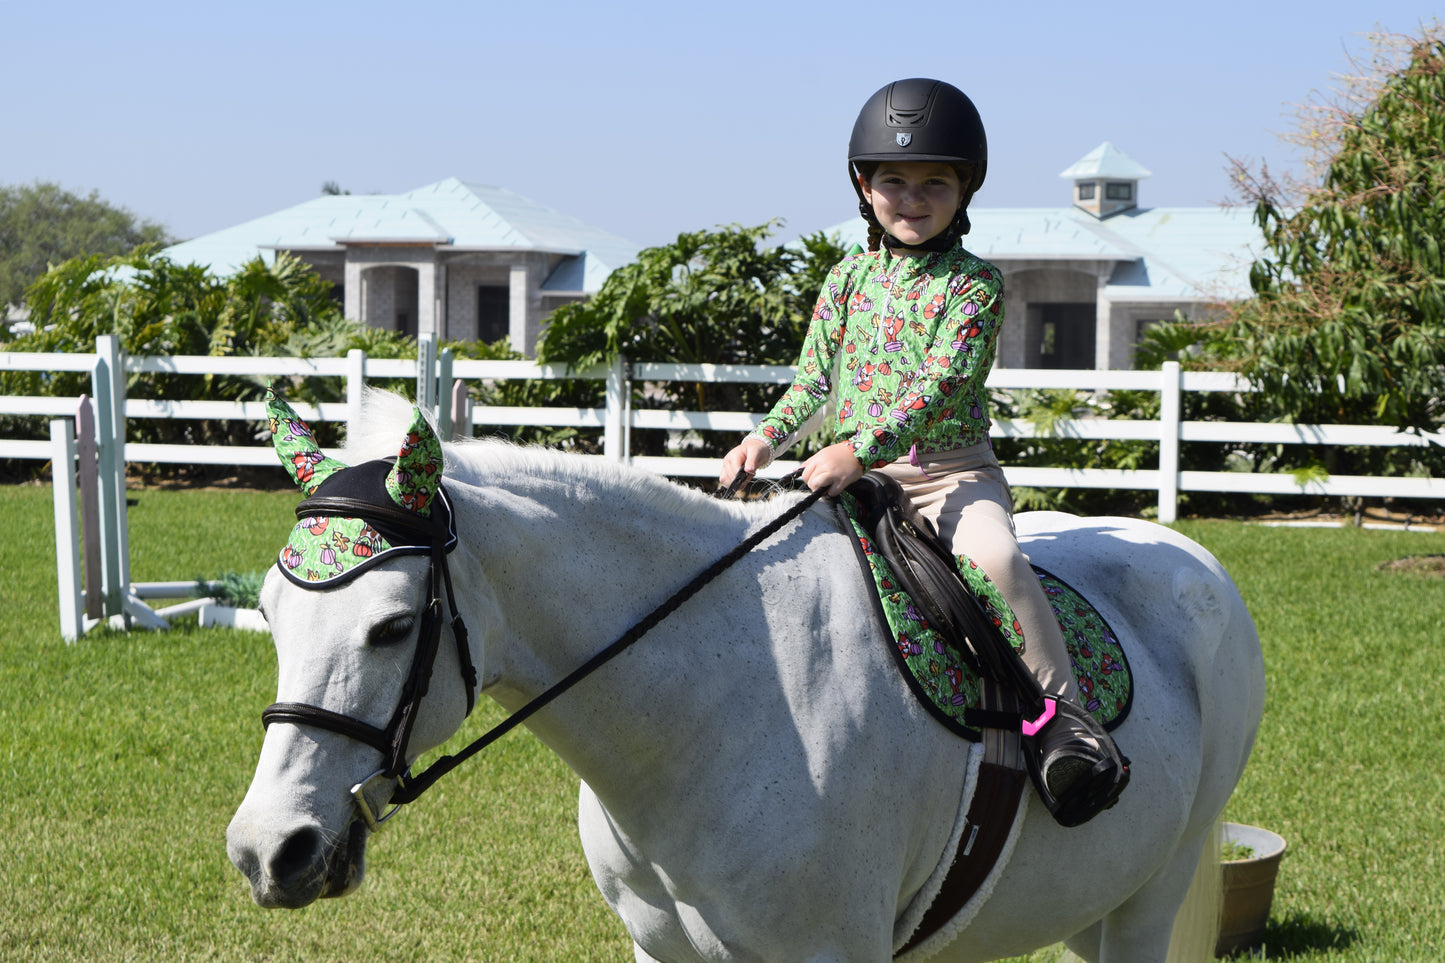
(1106, 181)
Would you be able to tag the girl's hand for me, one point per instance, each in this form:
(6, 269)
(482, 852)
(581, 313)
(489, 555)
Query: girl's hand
(749, 456)
(834, 469)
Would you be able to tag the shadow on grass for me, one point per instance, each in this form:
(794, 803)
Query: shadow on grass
(1299, 937)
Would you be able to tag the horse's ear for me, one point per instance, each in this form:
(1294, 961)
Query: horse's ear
(307, 464)
(417, 474)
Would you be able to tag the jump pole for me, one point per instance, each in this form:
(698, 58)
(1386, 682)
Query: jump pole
(67, 527)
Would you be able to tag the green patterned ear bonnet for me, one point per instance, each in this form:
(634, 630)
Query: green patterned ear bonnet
(354, 517)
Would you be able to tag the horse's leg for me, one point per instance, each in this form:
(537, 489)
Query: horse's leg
(1085, 945)
(641, 955)
(1140, 929)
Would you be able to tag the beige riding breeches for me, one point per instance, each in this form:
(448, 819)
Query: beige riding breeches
(965, 495)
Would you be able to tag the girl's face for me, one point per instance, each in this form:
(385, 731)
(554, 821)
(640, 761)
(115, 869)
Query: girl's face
(913, 200)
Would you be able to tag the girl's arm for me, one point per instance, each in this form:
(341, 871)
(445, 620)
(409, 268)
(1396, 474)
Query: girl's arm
(812, 383)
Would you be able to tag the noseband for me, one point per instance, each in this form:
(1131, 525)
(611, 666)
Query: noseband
(392, 741)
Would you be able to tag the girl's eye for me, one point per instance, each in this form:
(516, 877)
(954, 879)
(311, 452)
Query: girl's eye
(393, 630)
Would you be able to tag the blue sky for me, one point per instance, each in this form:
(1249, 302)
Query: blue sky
(646, 119)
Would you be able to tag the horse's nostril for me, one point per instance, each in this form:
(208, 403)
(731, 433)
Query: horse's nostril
(296, 858)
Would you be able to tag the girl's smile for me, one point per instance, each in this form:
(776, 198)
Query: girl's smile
(913, 200)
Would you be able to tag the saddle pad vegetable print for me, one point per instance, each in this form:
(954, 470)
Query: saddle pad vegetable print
(949, 687)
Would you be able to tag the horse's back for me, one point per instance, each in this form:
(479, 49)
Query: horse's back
(1147, 574)
(1188, 636)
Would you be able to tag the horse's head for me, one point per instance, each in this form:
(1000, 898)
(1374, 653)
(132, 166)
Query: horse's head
(355, 604)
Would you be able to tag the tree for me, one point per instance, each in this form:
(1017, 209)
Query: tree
(42, 225)
(719, 297)
(1347, 321)
(158, 307)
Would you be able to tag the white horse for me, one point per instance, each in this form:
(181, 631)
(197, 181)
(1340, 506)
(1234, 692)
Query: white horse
(758, 782)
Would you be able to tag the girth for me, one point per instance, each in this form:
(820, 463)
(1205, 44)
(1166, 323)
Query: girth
(926, 570)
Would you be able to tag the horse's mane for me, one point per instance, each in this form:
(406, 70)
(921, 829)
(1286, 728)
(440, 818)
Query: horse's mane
(385, 418)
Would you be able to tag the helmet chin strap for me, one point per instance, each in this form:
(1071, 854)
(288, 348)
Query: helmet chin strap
(945, 240)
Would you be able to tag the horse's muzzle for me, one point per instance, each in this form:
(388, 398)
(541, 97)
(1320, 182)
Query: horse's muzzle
(295, 869)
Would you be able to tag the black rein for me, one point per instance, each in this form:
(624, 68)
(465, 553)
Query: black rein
(408, 790)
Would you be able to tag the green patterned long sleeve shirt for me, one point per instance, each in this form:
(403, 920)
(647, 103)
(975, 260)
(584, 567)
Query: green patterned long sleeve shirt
(917, 335)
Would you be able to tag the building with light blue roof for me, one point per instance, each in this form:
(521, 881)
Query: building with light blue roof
(1083, 282)
(461, 260)
(468, 261)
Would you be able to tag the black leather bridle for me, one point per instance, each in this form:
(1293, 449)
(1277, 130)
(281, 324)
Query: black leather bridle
(392, 741)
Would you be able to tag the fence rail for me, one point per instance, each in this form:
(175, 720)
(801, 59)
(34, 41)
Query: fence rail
(436, 376)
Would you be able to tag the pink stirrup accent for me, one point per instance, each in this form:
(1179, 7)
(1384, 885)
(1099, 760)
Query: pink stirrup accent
(1031, 727)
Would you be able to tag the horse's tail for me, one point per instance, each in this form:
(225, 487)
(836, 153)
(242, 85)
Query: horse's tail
(1196, 926)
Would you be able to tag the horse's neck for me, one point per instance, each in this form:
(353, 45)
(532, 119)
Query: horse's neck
(572, 569)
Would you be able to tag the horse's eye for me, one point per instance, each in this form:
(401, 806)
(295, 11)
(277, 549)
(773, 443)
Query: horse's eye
(393, 630)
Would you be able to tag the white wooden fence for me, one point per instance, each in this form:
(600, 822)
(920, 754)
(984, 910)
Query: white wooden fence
(437, 375)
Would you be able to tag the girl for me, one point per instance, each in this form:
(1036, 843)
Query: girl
(911, 330)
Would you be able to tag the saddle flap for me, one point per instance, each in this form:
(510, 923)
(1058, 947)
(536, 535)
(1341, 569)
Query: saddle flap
(928, 572)
(947, 681)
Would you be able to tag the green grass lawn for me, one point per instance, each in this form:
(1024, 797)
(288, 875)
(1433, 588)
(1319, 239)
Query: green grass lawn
(123, 757)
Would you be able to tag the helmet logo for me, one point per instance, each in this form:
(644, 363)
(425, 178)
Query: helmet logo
(904, 139)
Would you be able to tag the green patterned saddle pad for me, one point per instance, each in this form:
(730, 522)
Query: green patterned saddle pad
(949, 687)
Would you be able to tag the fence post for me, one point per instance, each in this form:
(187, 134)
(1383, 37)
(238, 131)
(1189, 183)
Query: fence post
(627, 407)
(426, 355)
(1171, 383)
(67, 558)
(444, 393)
(89, 509)
(619, 393)
(110, 450)
(355, 382)
(461, 411)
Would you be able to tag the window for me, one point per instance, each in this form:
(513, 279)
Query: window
(494, 304)
(1119, 191)
(1086, 190)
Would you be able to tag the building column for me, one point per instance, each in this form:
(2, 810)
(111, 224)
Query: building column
(354, 297)
(1104, 324)
(440, 308)
(1013, 336)
(427, 321)
(517, 308)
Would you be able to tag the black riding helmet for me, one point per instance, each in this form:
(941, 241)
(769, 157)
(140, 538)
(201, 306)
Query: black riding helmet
(919, 120)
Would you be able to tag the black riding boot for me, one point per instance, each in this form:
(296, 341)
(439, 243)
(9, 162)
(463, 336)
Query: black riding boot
(1074, 763)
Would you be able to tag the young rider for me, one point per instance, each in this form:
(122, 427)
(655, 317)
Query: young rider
(909, 330)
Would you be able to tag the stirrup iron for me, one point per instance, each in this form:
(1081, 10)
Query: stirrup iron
(1055, 735)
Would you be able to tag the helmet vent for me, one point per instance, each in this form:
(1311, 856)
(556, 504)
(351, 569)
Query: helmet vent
(909, 111)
